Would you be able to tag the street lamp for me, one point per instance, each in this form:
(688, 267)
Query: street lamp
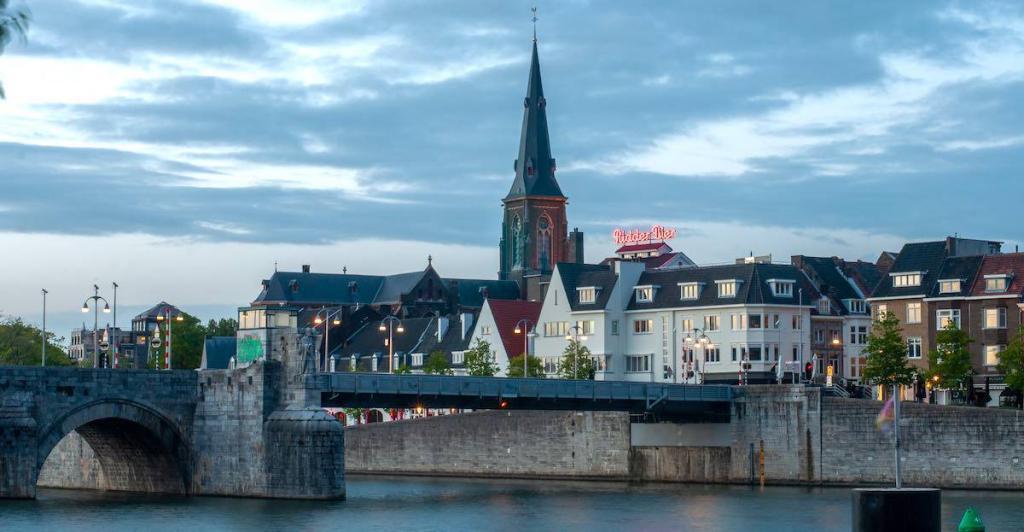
(44, 326)
(166, 316)
(521, 326)
(699, 338)
(330, 318)
(95, 298)
(577, 333)
(391, 325)
(115, 344)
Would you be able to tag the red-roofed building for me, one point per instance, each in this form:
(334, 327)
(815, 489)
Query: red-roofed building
(497, 324)
(654, 256)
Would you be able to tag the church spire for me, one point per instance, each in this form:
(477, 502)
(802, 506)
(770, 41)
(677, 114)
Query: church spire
(535, 168)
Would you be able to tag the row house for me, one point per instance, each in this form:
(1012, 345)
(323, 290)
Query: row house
(647, 325)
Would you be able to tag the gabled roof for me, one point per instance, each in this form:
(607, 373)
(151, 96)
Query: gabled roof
(583, 275)
(962, 268)
(419, 336)
(924, 257)
(753, 288)
(649, 246)
(506, 315)
(472, 291)
(320, 288)
(160, 309)
(829, 280)
(535, 168)
(218, 351)
(1008, 264)
(866, 274)
(395, 286)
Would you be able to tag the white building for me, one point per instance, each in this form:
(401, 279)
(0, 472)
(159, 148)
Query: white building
(508, 326)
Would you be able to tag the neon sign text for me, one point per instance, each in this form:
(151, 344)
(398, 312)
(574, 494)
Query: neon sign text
(636, 236)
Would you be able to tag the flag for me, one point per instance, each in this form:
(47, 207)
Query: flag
(886, 416)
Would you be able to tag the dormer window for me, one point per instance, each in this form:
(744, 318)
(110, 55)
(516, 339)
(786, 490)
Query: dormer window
(905, 279)
(587, 294)
(644, 294)
(690, 291)
(781, 287)
(997, 283)
(949, 286)
(824, 306)
(856, 306)
(727, 287)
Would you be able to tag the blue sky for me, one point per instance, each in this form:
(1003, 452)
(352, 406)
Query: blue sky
(182, 147)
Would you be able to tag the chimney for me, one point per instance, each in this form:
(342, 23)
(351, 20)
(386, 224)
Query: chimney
(442, 327)
(467, 324)
(305, 268)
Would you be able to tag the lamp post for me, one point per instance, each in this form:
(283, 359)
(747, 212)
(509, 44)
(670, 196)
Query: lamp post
(391, 325)
(698, 337)
(95, 298)
(330, 318)
(166, 316)
(525, 327)
(577, 333)
(44, 326)
(114, 345)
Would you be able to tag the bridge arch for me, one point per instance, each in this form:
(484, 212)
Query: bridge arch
(137, 447)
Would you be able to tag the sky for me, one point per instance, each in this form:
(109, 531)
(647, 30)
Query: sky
(182, 148)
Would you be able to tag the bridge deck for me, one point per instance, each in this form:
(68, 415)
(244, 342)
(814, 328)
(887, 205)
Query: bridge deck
(366, 390)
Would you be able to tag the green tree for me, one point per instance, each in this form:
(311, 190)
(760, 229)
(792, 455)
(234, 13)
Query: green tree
(403, 369)
(21, 345)
(950, 361)
(222, 327)
(437, 364)
(480, 360)
(534, 367)
(13, 23)
(576, 362)
(1011, 362)
(887, 354)
(189, 336)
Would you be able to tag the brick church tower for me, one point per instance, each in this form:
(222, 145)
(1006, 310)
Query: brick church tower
(534, 234)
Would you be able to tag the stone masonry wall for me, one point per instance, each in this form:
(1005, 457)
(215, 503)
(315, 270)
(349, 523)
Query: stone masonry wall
(72, 464)
(498, 442)
(787, 419)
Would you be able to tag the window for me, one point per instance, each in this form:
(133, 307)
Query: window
(644, 294)
(949, 286)
(781, 287)
(824, 306)
(686, 325)
(881, 311)
(903, 280)
(615, 327)
(458, 357)
(996, 283)
(797, 322)
(948, 316)
(858, 335)
(855, 306)
(712, 354)
(600, 362)
(995, 318)
(739, 322)
(776, 322)
(734, 349)
(690, 290)
(992, 354)
(417, 359)
(585, 327)
(556, 328)
(643, 326)
(754, 321)
(588, 295)
(913, 313)
(711, 323)
(485, 330)
(914, 347)
(819, 336)
(551, 364)
(638, 363)
(726, 288)
(754, 352)
(771, 352)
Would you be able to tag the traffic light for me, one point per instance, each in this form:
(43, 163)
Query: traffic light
(808, 370)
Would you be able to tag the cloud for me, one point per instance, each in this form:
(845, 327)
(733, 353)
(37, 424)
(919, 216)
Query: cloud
(283, 13)
(986, 144)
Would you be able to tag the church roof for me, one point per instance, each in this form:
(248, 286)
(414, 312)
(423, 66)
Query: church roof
(535, 168)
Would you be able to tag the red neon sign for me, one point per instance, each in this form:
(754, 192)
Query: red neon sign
(636, 236)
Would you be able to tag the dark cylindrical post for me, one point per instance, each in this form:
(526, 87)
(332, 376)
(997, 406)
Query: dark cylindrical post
(903, 510)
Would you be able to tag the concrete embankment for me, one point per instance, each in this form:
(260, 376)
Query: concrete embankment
(806, 438)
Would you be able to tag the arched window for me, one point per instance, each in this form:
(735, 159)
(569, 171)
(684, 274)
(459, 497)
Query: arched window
(544, 251)
(517, 242)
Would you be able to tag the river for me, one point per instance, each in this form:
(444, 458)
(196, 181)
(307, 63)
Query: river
(415, 503)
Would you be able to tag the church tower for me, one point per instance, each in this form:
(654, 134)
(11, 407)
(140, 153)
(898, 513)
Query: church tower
(535, 233)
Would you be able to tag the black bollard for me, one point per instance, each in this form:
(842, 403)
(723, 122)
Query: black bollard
(892, 510)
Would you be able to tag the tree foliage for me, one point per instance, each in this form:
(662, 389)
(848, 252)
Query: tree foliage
(222, 327)
(576, 362)
(437, 364)
(534, 367)
(480, 359)
(403, 369)
(887, 354)
(21, 345)
(13, 23)
(189, 336)
(950, 361)
(1011, 362)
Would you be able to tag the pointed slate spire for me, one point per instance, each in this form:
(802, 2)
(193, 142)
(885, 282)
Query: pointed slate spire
(535, 168)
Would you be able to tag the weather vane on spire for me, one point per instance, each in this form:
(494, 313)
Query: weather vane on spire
(534, 9)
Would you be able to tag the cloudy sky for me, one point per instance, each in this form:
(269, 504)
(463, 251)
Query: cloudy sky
(182, 147)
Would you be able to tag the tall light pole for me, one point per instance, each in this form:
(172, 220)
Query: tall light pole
(330, 318)
(170, 329)
(114, 345)
(95, 298)
(391, 325)
(525, 327)
(44, 326)
(577, 333)
(699, 338)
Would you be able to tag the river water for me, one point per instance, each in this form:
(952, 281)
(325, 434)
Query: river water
(414, 503)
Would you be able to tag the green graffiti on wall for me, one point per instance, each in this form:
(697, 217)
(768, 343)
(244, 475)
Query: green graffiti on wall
(250, 348)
